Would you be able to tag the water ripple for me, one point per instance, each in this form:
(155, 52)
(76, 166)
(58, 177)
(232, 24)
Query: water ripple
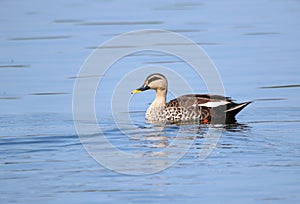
(118, 23)
(280, 86)
(40, 38)
(48, 93)
(14, 66)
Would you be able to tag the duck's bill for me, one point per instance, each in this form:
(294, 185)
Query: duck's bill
(136, 91)
(143, 88)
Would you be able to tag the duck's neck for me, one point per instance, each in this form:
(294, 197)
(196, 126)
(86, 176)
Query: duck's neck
(160, 99)
(158, 105)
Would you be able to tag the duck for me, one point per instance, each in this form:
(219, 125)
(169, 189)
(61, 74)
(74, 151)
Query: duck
(199, 108)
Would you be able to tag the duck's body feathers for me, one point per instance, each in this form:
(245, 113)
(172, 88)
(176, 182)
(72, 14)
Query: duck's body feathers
(200, 108)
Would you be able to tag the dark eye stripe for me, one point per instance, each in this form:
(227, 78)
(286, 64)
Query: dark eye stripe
(153, 79)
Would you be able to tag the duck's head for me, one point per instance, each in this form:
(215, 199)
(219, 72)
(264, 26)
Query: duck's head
(157, 82)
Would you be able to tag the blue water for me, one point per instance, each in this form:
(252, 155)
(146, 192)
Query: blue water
(255, 47)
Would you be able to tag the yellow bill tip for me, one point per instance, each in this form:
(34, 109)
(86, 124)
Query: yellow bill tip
(135, 91)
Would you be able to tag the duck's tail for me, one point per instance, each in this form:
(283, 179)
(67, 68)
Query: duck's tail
(232, 111)
(237, 107)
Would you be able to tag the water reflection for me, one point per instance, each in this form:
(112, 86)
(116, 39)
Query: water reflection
(151, 139)
(149, 149)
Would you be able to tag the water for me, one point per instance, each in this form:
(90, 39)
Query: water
(255, 47)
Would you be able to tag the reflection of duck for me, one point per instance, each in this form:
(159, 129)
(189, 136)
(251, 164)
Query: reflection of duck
(200, 108)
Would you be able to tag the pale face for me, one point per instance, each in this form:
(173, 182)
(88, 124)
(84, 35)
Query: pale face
(156, 82)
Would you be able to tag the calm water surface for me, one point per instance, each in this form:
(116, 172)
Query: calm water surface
(255, 46)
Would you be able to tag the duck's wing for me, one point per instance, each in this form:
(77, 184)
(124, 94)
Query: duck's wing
(196, 100)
